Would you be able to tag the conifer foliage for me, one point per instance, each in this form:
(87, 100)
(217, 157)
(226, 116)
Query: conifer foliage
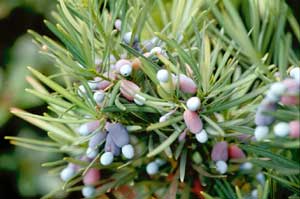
(171, 99)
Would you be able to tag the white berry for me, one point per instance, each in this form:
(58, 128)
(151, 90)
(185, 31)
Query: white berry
(156, 50)
(126, 70)
(193, 104)
(67, 173)
(246, 166)
(93, 84)
(118, 24)
(281, 129)
(84, 130)
(139, 100)
(128, 151)
(261, 132)
(202, 136)
(260, 177)
(271, 97)
(99, 97)
(295, 73)
(152, 168)
(254, 193)
(278, 89)
(162, 75)
(106, 158)
(88, 191)
(221, 167)
(91, 153)
(127, 37)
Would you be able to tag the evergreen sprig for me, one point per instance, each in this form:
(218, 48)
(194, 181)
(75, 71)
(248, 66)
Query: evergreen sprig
(207, 51)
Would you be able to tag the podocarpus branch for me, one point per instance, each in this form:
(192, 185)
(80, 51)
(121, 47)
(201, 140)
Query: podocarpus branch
(166, 91)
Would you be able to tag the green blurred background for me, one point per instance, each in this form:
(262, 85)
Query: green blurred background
(21, 174)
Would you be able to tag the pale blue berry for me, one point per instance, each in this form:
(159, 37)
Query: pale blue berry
(88, 191)
(221, 166)
(246, 166)
(254, 194)
(261, 132)
(152, 168)
(91, 153)
(156, 50)
(67, 173)
(295, 73)
(107, 158)
(99, 96)
(162, 75)
(193, 104)
(260, 177)
(271, 97)
(281, 129)
(278, 89)
(201, 137)
(126, 70)
(128, 151)
(139, 100)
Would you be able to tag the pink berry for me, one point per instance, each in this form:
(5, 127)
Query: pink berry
(295, 129)
(220, 151)
(290, 100)
(235, 152)
(192, 121)
(128, 89)
(91, 176)
(187, 85)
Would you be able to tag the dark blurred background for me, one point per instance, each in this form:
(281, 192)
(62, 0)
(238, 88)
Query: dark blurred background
(21, 174)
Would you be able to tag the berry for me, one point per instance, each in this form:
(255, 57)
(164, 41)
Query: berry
(106, 158)
(162, 76)
(187, 85)
(139, 100)
(152, 168)
(294, 129)
(261, 132)
(221, 167)
(278, 89)
(295, 73)
(67, 173)
(235, 152)
(128, 151)
(111, 146)
(99, 96)
(97, 139)
(88, 191)
(193, 104)
(91, 153)
(128, 89)
(91, 177)
(156, 50)
(88, 128)
(220, 151)
(281, 129)
(192, 121)
(126, 70)
(202, 136)
(246, 166)
(271, 97)
(260, 177)
(118, 134)
(127, 37)
(118, 24)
